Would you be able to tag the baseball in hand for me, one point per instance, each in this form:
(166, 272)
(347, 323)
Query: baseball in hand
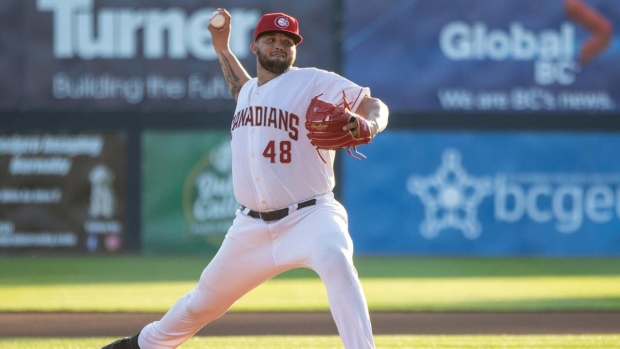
(217, 20)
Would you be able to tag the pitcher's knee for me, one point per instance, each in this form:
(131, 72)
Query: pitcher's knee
(204, 309)
(334, 261)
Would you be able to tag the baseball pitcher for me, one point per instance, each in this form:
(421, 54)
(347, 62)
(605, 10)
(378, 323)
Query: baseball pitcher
(286, 129)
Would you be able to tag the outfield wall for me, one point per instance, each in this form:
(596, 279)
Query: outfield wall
(114, 122)
(486, 193)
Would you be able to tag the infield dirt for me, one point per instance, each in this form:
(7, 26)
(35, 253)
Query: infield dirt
(36, 324)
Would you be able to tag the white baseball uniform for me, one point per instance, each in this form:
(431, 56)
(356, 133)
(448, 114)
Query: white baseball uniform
(275, 167)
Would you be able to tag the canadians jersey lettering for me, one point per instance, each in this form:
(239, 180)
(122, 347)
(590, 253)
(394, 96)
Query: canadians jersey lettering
(274, 164)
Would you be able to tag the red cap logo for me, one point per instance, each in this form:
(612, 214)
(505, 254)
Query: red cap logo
(278, 22)
(282, 22)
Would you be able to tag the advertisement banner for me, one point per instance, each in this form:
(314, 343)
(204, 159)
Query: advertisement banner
(188, 202)
(140, 55)
(486, 55)
(62, 192)
(486, 193)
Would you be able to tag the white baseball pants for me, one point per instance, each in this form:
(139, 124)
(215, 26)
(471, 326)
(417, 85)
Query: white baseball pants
(254, 251)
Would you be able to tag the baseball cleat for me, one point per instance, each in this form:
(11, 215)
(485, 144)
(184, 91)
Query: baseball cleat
(125, 343)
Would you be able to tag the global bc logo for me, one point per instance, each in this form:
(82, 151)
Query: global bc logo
(566, 201)
(552, 49)
(556, 52)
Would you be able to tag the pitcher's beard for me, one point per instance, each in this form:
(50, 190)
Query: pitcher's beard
(275, 66)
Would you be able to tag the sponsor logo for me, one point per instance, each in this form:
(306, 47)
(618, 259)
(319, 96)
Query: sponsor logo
(320, 127)
(102, 209)
(565, 201)
(102, 196)
(81, 30)
(450, 197)
(553, 50)
(208, 199)
(555, 53)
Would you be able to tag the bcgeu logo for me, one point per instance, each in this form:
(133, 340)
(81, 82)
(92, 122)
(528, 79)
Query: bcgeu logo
(451, 197)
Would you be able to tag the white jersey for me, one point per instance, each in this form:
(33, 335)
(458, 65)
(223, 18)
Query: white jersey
(274, 164)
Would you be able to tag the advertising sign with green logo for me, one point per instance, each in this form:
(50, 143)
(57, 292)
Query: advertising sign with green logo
(187, 195)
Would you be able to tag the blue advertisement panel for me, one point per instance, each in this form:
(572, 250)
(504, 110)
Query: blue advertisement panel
(486, 193)
(481, 55)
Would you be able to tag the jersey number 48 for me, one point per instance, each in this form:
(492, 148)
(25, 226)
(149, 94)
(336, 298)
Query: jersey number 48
(282, 153)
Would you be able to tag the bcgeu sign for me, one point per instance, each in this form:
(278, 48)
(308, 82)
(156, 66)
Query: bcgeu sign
(487, 193)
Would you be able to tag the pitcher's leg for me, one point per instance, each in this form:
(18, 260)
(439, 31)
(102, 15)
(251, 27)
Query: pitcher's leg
(183, 319)
(329, 251)
(243, 262)
(347, 301)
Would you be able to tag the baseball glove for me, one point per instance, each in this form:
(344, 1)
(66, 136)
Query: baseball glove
(325, 122)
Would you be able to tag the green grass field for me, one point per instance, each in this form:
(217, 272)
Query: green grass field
(333, 342)
(132, 283)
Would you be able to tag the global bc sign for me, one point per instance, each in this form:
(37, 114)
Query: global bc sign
(551, 50)
(556, 53)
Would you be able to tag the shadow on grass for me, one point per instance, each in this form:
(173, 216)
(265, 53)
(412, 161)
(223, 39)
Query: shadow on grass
(132, 268)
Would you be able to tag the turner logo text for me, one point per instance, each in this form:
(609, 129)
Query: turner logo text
(81, 31)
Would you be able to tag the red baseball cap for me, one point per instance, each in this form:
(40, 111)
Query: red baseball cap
(278, 22)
